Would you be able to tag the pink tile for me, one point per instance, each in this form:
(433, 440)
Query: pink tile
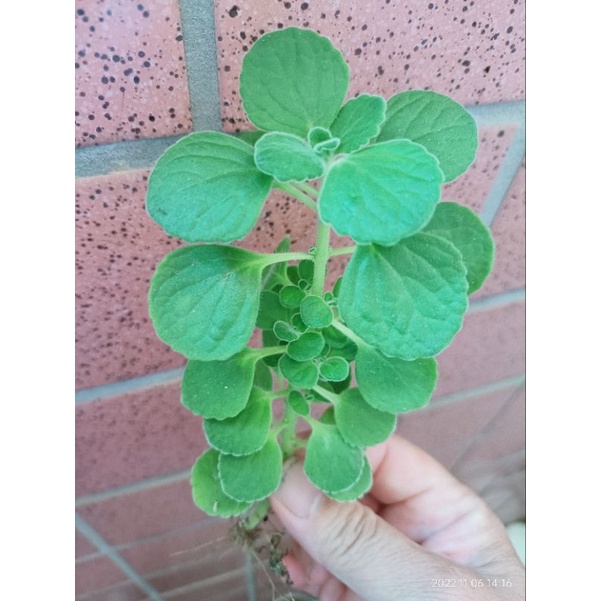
(117, 249)
(445, 431)
(231, 588)
(490, 347)
(83, 546)
(130, 73)
(207, 540)
(472, 51)
(92, 574)
(133, 437)
(120, 592)
(509, 232)
(150, 512)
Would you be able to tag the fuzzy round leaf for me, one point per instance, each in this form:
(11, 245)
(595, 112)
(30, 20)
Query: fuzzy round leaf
(331, 463)
(207, 188)
(334, 369)
(245, 433)
(293, 80)
(218, 389)
(466, 232)
(291, 297)
(359, 423)
(315, 312)
(204, 300)
(300, 374)
(287, 158)
(252, 477)
(436, 122)
(393, 384)
(359, 121)
(381, 193)
(308, 346)
(284, 331)
(357, 490)
(207, 491)
(298, 323)
(407, 300)
(306, 269)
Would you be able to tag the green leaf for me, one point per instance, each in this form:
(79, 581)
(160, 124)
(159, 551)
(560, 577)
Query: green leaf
(466, 231)
(359, 423)
(268, 339)
(204, 300)
(298, 403)
(306, 269)
(436, 122)
(318, 135)
(393, 384)
(298, 323)
(407, 300)
(334, 369)
(206, 488)
(287, 158)
(359, 121)
(206, 188)
(252, 477)
(381, 193)
(245, 433)
(315, 312)
(275, 274)
(359, 489)
(219, 389)
(263, 378)
(250, 137)
(308, 346)
(291, 297)
(270, 310)
(331, 463)
(293, 80)
(284, 331)
(300, 374)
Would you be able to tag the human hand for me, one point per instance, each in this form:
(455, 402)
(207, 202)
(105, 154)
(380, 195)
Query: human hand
(419, 534)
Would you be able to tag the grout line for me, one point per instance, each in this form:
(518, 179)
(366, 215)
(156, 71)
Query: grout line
(140, 485)
(200, 44)
(503, 299)
(251, 584)
(458, 397)
(97, 540)
(486, 428)
(194, 586)
(137, 384)
(155, 482)
(509, 167)
(128, 155)
(173, 376)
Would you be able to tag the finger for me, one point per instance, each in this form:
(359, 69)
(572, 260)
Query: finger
(355, 545)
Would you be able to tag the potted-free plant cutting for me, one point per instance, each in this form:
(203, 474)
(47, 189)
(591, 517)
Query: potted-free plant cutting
(342, 363)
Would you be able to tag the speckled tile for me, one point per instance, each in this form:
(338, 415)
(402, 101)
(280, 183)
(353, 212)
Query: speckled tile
(149, 512)
(490, 347)
(130, 73)
(472, 188)
(472, 50)
(509, 232)
(133, 437)
(117, 249)
(445, 431)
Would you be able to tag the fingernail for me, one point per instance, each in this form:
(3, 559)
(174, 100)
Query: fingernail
(297, 494)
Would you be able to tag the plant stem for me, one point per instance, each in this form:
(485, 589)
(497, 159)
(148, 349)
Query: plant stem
(310, 190)
(346, 250)
(281, 257)
(347, 332)
(322, 254)
(326, 394)
(261, 353)
(298, 194)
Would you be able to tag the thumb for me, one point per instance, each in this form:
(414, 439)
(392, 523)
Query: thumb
(357, 546)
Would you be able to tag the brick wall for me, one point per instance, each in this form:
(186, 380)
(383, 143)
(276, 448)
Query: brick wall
(149, 71)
